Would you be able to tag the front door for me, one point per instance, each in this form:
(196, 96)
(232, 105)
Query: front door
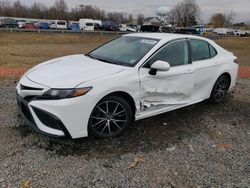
(172, 88)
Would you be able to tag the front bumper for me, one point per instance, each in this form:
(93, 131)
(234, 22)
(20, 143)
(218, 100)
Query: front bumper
(44, 117)
(57, 118)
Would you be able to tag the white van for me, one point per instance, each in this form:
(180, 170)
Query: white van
(58, 24)
(86, 24)
(221, 31)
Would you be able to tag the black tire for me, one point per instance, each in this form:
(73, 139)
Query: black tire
(220, 89)
(110, 117)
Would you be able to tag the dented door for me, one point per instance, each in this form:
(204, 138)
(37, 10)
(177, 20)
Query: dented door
(166, 89)
(170, 88)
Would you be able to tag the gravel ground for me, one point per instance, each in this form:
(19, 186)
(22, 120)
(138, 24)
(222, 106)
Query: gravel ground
(203, 145)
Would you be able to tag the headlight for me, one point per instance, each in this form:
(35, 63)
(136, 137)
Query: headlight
(65, 93)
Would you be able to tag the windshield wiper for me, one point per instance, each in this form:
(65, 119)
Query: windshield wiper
(101, 59)
(106, 61)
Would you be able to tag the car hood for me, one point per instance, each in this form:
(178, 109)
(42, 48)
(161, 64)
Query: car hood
(70, 71)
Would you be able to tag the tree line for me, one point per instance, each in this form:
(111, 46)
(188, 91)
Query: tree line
(185, 13)
(60, 10)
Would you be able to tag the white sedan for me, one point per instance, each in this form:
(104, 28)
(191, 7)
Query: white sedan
(130, 78)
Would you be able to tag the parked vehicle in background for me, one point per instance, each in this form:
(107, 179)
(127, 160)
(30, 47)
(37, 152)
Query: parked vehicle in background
(74, 26)
(187, 30)
(44, 25)
(130, 29)
(1, 23)
(97, 25)
(58, 24)
(241, 33)
(150, 28)
(221, 31)
(9, 23)
(70, 23)
(30, 26)
(110, 26)
(123, 27)
(82, 95)
(167, 29)
(86, 24)
(21, 23)
(200, 29)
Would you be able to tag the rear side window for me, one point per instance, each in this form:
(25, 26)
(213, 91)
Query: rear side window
(175, 54)
(212, 51)
(200, 50)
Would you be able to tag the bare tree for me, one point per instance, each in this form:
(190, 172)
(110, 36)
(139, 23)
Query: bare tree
(229, 18)
(190, 12)
(130, 18)
(140, 19)
(18, 9)
(218, 20)
(87, 11)
(185, 13)
(60, 9)
(119, 17)
(5, 8)
(171, 17)
(38, 10)
(222, 20)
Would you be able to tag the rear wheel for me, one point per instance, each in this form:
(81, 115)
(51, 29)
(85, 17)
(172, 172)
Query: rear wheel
(110, 117)
(220, 89)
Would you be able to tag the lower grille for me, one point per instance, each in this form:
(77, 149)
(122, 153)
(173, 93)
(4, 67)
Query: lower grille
(29, 88)
(48, 119)
(26, 111)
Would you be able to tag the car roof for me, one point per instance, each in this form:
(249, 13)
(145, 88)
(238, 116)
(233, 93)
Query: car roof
(165, 36)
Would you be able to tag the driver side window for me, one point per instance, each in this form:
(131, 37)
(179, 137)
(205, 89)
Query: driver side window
(175, 54)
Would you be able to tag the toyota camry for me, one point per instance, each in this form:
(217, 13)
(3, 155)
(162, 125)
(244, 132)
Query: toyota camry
(130, 78)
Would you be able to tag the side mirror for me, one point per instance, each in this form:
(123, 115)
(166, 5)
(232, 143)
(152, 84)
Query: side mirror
(159, 66)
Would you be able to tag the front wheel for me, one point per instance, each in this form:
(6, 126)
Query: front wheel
(220, 89)
(110, 117)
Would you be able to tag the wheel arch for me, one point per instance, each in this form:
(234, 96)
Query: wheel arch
(223, 73)
(126, 97)
(227, 74)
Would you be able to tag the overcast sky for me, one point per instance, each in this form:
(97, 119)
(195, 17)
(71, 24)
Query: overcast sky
(148, 7)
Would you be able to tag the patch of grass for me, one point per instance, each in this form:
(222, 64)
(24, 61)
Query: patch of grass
(24, 50)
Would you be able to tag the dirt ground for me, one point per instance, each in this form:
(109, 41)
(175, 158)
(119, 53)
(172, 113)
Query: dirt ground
(203, 145)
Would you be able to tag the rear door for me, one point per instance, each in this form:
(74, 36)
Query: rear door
(205, 65)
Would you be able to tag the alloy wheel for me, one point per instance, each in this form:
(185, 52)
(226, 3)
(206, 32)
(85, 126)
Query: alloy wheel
(108, 118)
(221, 89)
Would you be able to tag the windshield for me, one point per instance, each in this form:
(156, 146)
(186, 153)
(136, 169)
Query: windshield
(127, 50)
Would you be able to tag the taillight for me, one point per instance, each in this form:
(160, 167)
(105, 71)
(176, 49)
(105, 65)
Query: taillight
(236, 61)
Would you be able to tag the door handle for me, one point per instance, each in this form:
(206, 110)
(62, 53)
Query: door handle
(189, 71)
